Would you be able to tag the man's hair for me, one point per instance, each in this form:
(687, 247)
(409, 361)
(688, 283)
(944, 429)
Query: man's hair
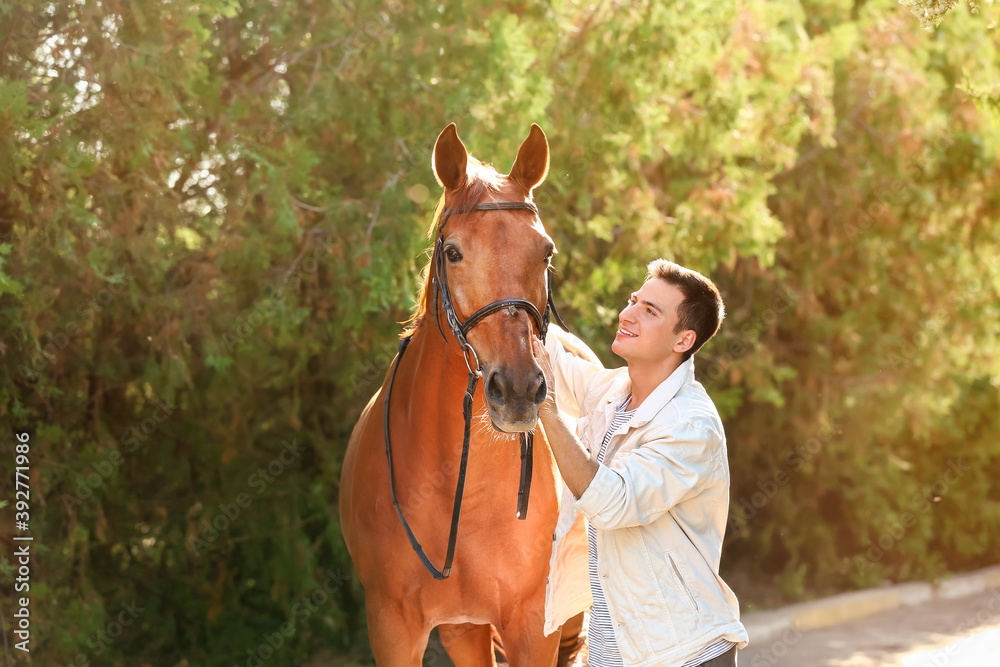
(702, 310)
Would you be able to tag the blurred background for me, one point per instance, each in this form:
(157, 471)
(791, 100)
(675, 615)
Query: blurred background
(212, 221)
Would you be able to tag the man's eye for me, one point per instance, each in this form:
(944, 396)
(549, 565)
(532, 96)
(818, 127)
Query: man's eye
(650, 311)
(453, 255)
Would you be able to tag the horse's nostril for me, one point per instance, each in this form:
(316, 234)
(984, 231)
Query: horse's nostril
(493, 390)
(542, 390)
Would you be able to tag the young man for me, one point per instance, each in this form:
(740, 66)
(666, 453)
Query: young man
(647, 465)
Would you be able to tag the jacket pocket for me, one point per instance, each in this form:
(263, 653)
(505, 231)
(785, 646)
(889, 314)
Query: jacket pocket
(682, 582)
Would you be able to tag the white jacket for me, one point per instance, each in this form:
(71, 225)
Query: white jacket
(660, 506)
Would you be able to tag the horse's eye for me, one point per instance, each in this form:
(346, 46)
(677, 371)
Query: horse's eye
(548, 257)
(453, 255)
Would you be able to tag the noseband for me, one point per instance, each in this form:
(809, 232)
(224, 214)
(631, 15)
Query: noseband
(442, 296)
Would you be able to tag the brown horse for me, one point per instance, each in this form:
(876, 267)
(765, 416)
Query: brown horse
(500, 562)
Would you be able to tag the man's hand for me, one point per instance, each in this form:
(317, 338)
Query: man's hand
(572, 457)
(550, 404)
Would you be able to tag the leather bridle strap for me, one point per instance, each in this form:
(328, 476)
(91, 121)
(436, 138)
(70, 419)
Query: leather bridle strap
(487, 206)
(550, 304)
(456, 511)
(510, 305)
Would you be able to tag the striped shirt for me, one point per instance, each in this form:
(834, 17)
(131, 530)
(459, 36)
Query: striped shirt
(602, 647)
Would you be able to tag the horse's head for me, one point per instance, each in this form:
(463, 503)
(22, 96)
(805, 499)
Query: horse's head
(492, 255)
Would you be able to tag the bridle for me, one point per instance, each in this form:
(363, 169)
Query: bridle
(460, 330)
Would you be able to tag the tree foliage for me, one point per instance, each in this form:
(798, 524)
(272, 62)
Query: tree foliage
(212, 221)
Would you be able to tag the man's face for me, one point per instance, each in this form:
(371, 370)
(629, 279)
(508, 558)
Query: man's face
(646, 325)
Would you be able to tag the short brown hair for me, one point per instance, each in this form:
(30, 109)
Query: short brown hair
(702, 310)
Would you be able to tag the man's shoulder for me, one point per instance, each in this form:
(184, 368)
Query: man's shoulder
(693, 395)
(573, 345)
(692, 407)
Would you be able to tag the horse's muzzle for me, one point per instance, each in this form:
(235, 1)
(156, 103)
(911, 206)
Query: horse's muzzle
(514, 398)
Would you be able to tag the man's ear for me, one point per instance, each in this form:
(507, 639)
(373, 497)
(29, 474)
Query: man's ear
(686, 341)
(532, 162)
(450, 159)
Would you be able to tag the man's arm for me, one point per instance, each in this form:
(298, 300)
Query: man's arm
(575, 464)
(649, 481)
(574, 461)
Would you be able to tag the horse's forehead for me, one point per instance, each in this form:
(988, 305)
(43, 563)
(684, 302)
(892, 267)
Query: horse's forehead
(507, 223)
(507, 229)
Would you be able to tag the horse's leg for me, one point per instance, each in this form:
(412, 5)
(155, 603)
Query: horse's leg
(468, 645)
(398, 639)
(570, 640)
(524, 642)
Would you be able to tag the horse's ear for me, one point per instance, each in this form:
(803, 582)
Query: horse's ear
(450, 159)
(532, 162)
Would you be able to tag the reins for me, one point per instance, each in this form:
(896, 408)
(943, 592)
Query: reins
(442, 295)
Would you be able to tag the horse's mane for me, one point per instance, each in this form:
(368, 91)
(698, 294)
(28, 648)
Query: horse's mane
(480, 179)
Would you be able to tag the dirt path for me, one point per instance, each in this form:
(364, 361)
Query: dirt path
(963, 632)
